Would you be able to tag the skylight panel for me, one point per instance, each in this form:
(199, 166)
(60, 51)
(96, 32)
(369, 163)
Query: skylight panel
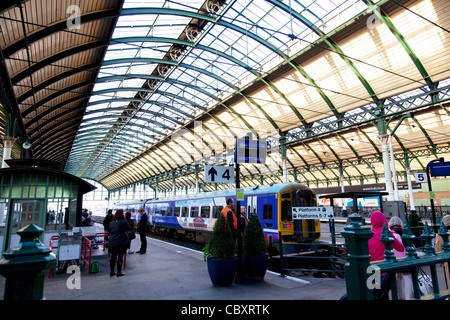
(133, 83)
(140, 3)
(120, 54)
(142, 68)
(131, 32)
(113, 71)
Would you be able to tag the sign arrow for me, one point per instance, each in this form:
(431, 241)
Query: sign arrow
(212, 172)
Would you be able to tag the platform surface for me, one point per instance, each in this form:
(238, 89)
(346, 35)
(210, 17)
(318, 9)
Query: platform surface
(171, 272)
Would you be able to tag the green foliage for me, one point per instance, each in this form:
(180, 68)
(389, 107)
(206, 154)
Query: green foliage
(254, 241)
(221, 244)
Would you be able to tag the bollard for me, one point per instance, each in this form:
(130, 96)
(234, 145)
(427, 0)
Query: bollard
(444, 235)
(428, 237)
(24, 267)
(387, 239)
(356, 238)
(407, 238)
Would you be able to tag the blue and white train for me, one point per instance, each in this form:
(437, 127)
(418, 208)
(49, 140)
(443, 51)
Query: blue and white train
(194, 215)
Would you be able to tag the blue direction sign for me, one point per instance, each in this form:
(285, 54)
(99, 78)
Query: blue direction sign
(250, 151)
(440, 169)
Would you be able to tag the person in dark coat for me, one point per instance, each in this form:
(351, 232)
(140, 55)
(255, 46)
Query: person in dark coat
(109, 217)
(118, 242)
(142, 229)
(131, 223)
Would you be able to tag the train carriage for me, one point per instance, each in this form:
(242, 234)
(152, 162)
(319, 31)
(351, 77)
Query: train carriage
(193, 216)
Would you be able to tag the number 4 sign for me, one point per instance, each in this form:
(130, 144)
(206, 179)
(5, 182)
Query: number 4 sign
(219, 174)
(421, 177)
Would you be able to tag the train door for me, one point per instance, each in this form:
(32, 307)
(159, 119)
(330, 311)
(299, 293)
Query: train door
(286, 225)
(252, 204)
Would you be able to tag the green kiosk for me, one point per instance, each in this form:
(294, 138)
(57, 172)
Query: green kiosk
(34, 191)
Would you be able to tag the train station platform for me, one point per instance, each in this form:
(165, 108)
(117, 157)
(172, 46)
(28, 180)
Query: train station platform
(171, 272)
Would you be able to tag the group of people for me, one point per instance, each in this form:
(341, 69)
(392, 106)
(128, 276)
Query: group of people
(120, 227)
(230, 217)
(377, 248)
(86, 218)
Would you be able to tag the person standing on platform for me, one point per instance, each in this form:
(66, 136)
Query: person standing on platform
(230, 217)
(377, 248)
(142, 229)
(439, 246)
(244, 220)
(404, 280)
(109, 217)
(118, 242)
(131, 223)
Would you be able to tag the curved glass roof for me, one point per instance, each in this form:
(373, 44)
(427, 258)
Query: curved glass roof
(169, 62)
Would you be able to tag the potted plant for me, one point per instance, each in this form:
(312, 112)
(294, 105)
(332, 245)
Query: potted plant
(255, 249)
(220, 254)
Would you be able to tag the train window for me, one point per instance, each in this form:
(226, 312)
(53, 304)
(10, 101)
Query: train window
(163, 211)
(176, 211)
(184, 212)
(216, 211)
(267, 215)
(169, 211)
(285, 196)
(194, 212)
(205, 212)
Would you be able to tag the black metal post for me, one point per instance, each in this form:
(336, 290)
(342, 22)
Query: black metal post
(240, 275)
(433, 210)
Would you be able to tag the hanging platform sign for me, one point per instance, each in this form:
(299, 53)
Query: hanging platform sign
(421, 177)
(219, 174)
(312, 213)
(440, 169)
(250, 151)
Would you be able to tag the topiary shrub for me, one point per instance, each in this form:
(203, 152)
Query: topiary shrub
(221, 244)
(254, 241)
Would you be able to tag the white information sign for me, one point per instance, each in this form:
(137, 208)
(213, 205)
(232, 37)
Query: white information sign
(312, 213)
(219, 174)
(421, 177)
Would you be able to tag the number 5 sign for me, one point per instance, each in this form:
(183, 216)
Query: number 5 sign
(421, 177)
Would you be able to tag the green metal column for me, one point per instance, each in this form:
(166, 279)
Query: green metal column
(356, 238)
(283, 150)
(384, 137)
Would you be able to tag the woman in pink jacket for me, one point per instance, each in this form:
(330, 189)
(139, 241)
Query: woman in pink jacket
(376, 247)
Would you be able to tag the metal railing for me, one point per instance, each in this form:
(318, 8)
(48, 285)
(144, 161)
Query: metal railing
(359, 269)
